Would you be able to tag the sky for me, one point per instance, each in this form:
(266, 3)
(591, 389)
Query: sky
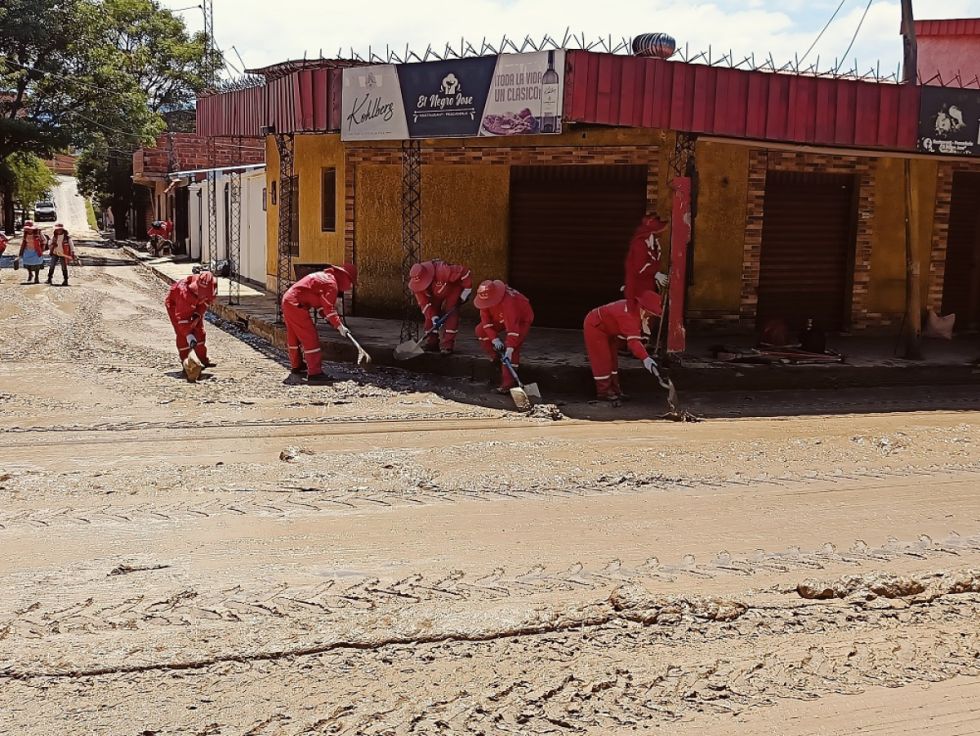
(267, 31)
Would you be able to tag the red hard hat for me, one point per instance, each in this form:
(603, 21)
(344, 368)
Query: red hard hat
(346, 276)
(59, 226)
(490, 294)
(204, 286)
(421, 275)
(652, 224)
(651, 301)
(28, 223)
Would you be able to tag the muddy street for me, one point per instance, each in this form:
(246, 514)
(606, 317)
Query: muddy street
(394, 555)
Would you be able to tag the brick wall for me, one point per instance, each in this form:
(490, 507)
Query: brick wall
(863, 169)
(189, 151)
(509, 156)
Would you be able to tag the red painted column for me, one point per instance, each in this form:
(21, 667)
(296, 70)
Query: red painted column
(680, 240)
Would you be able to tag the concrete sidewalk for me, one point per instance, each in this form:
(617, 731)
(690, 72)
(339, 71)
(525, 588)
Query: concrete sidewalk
(555, 358)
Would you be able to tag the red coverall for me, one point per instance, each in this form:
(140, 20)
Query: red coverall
(318, 290)
(187, 310)
(642, 263)
(514, 316)
(442, 296)
(606, 328)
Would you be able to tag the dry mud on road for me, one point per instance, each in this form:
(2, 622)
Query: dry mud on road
(390, 555)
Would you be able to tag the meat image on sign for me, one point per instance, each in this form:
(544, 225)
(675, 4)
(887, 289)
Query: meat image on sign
(510, 94)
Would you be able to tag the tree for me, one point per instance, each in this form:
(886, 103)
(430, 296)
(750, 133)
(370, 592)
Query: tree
(26, 178)
(170, 67)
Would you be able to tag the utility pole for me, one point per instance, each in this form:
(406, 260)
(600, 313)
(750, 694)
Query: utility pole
(207, 8)
(913, 282)
(911, 57)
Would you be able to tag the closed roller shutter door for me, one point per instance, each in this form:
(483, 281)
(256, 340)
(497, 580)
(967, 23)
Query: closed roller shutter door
(569, 231)
(961, 284)
(807, 242)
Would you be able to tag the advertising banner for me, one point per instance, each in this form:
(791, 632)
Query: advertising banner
(510, 94)
(949, 121)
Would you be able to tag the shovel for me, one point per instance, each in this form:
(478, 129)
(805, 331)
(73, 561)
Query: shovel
(522, 393)
(362, 355)
(412, 349)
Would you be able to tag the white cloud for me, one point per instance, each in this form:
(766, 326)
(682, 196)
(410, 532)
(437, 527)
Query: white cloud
(265, 32)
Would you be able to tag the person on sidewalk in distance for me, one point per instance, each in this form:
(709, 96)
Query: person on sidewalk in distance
(62, 251)
(3, 242)
(440, 288)
(319, 291)
(505, 321)
(606, 328)
(187, 302)
(644, 260)
(31, 255)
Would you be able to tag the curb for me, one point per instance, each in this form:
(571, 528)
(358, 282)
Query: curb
(575, 379)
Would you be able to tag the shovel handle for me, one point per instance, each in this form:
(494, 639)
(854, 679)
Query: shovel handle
(513, 371)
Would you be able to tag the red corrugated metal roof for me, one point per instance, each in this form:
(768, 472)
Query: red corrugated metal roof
(651, 93)
(948, 27)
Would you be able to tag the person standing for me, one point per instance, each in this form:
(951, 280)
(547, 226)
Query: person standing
(440, 288)
(62, 251)
(319, 291)
(644, 260)
(187, 302)
(505, 321)
(606, 328)
(31, 255)
(3, 242)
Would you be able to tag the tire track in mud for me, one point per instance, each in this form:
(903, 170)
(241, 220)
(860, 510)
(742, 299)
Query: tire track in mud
(287, 501)
(631, 660)
(102, 610)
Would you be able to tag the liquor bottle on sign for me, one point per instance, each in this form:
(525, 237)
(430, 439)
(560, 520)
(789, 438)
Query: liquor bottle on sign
(549, 97)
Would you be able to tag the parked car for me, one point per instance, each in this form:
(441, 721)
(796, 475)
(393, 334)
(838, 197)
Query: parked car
(44, 212)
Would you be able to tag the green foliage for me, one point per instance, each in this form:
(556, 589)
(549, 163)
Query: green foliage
(90, 214)
(26, 178)
(99, 75)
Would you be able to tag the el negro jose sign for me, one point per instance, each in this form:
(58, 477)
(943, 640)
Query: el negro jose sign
(510, 94)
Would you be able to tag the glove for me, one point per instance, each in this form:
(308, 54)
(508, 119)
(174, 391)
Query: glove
(465, 295)
(508, 353)
(498, 344)
(192, 341)
(661, 279)
(650, 365)
(344, 332)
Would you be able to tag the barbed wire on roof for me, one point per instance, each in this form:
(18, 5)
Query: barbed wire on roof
(950, 81)
(623, 45)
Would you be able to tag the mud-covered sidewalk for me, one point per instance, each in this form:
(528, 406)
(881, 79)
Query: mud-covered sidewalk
(556, 360)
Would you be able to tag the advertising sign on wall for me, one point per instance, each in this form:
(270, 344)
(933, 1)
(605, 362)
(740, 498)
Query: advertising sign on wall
(510, 94)
(949, 121)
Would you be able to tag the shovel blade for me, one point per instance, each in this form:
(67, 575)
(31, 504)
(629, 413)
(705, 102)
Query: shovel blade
(531, 389)
(192, 368)
(521, 399)
(407, 351)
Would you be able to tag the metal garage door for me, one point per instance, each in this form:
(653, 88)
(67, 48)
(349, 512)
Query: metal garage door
(807, 246)
(569, 230)
(961, 284)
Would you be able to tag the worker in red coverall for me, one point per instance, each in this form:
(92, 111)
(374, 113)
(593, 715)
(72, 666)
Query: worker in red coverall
(606, 328)
(440, 288)
(319, 291)
(187, 302)
(644, 270)
(3, 242)
(505, 321)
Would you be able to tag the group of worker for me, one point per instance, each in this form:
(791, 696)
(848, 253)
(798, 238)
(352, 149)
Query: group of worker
(441, 289)
(33, 247)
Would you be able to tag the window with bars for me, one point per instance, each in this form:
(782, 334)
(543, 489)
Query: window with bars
(328, 199)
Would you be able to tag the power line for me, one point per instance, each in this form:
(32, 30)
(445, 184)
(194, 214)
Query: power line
(820, 35)
(854, 37)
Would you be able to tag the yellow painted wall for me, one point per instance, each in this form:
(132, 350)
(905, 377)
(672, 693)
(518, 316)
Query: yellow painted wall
(886, 290)
(311, 154)
(719, 237)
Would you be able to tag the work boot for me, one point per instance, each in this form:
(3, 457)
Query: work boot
(298, 371)
(321, 379)
(209, 364)
(445, 351)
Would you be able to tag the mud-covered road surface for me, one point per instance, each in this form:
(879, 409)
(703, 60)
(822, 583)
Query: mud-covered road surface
(389, 555)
